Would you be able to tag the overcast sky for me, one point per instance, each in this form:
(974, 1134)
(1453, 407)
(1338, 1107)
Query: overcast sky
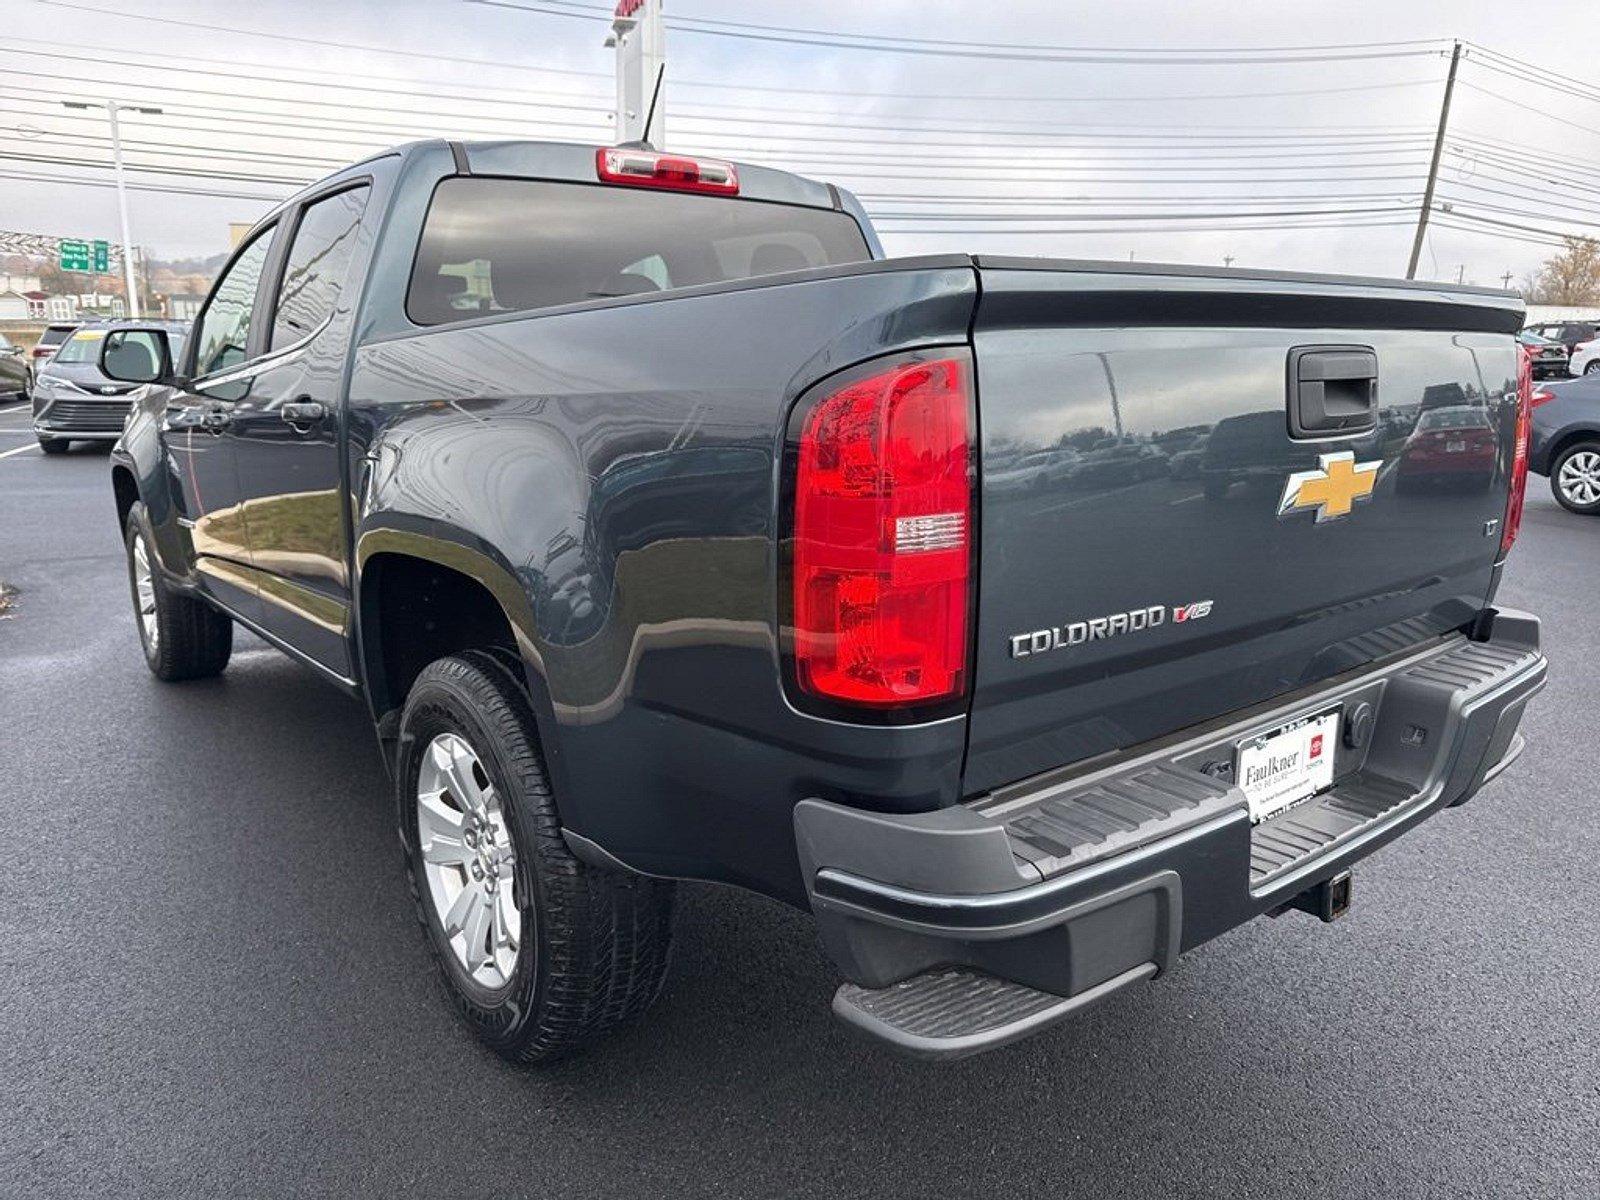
(968, 147)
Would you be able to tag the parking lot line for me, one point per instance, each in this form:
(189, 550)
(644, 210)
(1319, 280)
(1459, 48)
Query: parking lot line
(20, 450)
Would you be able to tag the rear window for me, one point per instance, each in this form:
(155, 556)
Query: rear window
(55, 335)
(510, 245)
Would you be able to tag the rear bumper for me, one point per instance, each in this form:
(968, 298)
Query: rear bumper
(968, 927)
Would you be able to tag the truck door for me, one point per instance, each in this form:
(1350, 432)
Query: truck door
(201, 451)
(287, 433)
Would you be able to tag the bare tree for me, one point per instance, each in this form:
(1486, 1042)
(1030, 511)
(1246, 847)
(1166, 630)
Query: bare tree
(1573, 276)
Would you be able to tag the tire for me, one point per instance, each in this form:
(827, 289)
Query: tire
(590, 945)
(1575, 478)
(1592, 367)
(183, 637)
(54, 445)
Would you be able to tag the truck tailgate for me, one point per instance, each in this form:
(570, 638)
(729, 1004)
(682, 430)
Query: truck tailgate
(1157, 548)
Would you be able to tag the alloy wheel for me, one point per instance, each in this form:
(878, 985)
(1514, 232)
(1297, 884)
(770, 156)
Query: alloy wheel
(469, 861)
(1579, 478)
(144, 593)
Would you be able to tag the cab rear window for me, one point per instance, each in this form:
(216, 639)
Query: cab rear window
(512, 245)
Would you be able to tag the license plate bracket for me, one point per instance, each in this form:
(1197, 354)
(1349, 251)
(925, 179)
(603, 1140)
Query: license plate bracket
(1284, 766)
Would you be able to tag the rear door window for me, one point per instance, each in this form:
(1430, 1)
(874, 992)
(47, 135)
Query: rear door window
(318, 262)
(510, 245)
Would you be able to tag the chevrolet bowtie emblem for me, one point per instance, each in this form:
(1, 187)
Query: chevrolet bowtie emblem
(1332, 490)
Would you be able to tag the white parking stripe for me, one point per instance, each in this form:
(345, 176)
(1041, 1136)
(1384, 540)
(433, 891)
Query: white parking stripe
(20, 450)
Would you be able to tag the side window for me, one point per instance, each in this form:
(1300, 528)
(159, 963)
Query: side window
(225, 328)
(319, 260)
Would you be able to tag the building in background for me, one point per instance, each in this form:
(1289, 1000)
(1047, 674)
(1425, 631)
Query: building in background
(101, 304)
(184, 306)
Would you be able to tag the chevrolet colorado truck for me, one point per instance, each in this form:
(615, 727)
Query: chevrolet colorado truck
(669, 531)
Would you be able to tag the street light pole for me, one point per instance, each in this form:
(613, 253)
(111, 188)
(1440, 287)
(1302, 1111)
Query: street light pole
(122, 211)
(112, 108)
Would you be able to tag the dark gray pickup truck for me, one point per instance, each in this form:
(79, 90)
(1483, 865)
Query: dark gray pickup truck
(670, 532)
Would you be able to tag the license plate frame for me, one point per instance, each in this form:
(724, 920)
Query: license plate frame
(1271, 786)
(1455, 447)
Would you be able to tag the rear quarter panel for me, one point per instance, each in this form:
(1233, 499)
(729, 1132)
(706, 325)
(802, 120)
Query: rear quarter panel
(619, 464)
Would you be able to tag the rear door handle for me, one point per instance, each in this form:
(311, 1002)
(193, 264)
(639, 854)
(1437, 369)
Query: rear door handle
(303, 412)
(1332, 390)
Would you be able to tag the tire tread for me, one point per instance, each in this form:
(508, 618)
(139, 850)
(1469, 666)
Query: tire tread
(603, 937)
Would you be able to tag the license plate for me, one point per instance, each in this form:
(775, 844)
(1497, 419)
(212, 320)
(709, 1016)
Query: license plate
(1284, 767)
(1454, 447)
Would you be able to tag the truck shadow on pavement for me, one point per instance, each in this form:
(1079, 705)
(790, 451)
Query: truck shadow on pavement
(740, 1073)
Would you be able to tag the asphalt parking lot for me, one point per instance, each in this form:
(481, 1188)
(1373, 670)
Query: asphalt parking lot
(211, 982)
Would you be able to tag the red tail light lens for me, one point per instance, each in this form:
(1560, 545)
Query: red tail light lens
(1519, 458)
(882, 538)
(646, 168)
(1540, 397)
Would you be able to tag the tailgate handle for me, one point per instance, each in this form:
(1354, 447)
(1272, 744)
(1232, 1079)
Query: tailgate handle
(1332, 390)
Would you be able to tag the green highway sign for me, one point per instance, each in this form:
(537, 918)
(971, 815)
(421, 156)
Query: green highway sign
(74, 255)
(79, 255)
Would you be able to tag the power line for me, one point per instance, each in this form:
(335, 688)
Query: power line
(256, 69)
(1536, 73)
(76, 181)
(1184, 216)
(1231, 229)
(81, 84)
(1012, 52)
(429, 55)
(1549, 116)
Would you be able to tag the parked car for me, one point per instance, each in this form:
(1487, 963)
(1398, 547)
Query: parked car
(74, 400)
(1568, 333)
(1585, 359)
(1547, 356)
(1565, 444)
(646, 507)
(1450, 447)
(13, 368)
(49, 341)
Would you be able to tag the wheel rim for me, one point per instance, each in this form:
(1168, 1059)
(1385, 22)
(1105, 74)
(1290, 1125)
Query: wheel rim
(144, 594)
(469, 860)
(1592, 368)
(1580, 477)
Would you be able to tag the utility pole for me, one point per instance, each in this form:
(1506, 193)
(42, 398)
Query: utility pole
(1227, 260)
(112, 108)
(1433, 165)
(1505, 280)
(640, 39)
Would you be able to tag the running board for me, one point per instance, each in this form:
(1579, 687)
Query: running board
(953, 1013)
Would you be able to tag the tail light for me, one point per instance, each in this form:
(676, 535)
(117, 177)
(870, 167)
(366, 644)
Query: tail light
(882, 537)
(674, 172)
(1519, 458)
(1540, 397)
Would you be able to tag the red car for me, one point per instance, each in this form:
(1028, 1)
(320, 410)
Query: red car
(1454, 445)
(49, 342)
